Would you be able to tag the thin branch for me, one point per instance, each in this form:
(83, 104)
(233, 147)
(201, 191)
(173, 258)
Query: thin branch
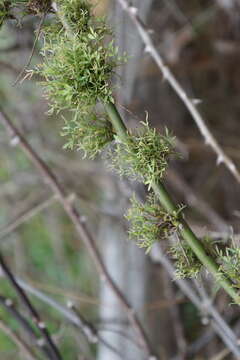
(80, 226)
(91, 333)
(175, 316)
(173, 82)
(206, 307)
(196, 201)
(32, 51)
(71, 314)
(34, 313)
(26, 216)
(24, 348)
(26, 326)
(207, 303)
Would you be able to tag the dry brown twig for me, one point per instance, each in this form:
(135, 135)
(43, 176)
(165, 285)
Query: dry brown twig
(204, 306)
(23, 347)
(190, 104)
(36, 318)
(79, 222)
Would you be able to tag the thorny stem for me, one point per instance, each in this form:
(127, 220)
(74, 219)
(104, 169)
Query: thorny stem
(210, 140)
(184, 229)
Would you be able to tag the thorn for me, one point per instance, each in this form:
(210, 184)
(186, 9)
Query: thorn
(205, 320)
(83, 219)
(70, 304)
(147, 49)
(41, 342)
(184, 95)
(41, 325)
(232, 167)
(196, 101)
(9, 302)
(150, 31)
(133, 10)
(54, 6)
(220, 159)
(15, 141)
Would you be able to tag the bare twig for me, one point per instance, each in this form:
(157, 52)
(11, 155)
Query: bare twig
(175, 315)
(33, 312)
(207, 304)
(26, 326)
(170, 78)
(32, 51)
(196, 201)
(205, 307)
(24, 348)
(80, 226)
(91, 333)
(71, 314)
(27, 215)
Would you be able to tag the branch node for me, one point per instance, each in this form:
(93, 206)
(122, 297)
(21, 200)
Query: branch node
(205, 320)
(15, 141)
(41, 325)
(70, 304)
(133, 10)
(9, 302)
(41, 342)
(83, 219)
(196, 101)
(147, 49)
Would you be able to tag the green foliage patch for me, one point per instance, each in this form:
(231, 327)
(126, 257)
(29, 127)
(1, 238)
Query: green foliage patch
(143, 156)
(150, 222)
(89, 134)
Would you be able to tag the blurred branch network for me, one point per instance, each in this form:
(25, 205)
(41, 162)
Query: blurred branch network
(183, 70)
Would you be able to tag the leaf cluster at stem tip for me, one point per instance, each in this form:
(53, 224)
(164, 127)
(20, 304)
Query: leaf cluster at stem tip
(79, 63)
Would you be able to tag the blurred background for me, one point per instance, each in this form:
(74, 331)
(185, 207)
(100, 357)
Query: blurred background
(200, 42)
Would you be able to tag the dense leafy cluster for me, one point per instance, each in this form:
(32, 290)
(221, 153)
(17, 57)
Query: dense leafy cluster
(229, 260)
(150, 222)
(89, 134)
(77, 69)
(143, 156)
(77, 14)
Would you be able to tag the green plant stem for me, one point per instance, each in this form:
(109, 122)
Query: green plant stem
(116, 120)
(184, 229)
